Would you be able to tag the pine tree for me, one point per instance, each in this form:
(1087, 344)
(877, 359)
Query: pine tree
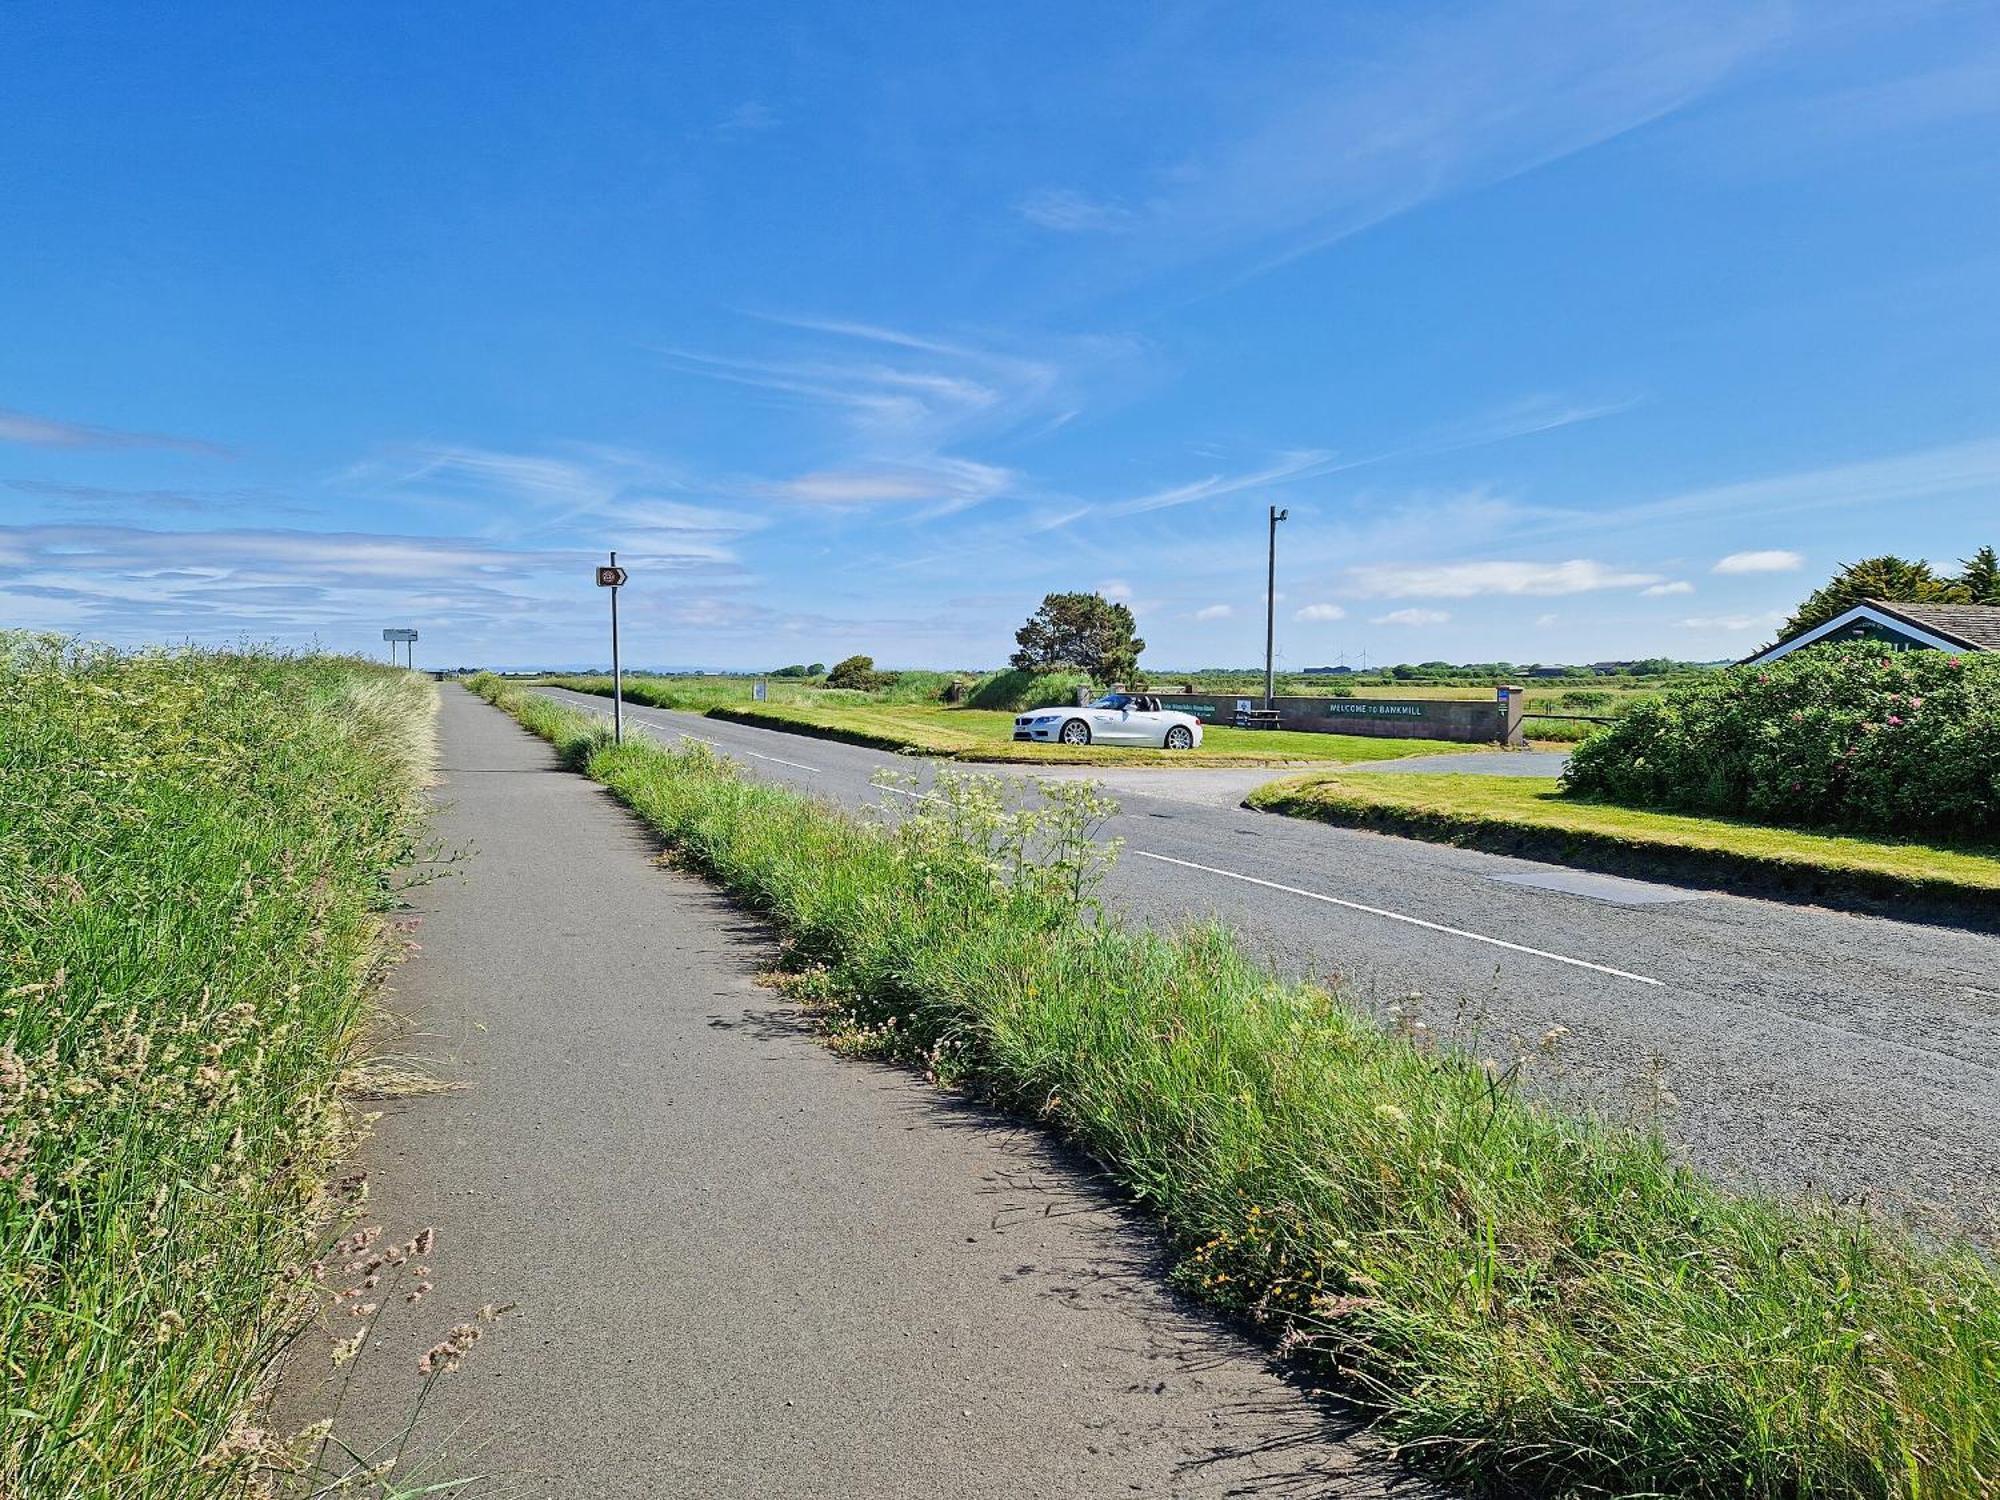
(1980, 577)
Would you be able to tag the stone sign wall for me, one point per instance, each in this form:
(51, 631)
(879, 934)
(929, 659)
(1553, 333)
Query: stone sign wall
(1472, 721)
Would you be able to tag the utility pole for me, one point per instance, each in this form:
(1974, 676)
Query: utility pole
(1271, 614)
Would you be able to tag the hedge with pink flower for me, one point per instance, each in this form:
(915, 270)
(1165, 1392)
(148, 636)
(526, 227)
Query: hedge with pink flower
(1846, 737)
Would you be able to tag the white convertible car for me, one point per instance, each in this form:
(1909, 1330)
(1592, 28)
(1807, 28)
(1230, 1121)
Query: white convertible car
(1114, 719)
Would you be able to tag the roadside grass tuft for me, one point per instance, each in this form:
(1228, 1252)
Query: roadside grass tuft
(194, 853)
(1525, 1297)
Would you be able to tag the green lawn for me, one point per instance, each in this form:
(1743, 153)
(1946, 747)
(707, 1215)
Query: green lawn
(1473, 808)
(979, 734)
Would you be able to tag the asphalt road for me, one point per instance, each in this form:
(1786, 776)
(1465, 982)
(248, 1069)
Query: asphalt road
(1780, 1044)
(741, 1266)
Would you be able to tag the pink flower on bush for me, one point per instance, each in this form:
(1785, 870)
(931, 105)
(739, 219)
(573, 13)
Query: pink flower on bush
(1894, 719)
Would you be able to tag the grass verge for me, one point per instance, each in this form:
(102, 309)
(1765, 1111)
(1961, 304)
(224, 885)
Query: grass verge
(1525, 1296)
(1529, 815)
(984, 735)
(193, 856)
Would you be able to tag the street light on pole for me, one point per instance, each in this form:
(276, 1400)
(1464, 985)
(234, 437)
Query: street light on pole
(1271, 613)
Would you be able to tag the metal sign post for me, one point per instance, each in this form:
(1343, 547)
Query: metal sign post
(613, 578)
(408, 638)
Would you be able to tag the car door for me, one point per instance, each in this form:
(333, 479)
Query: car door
(1145, 724)
(1113, 726)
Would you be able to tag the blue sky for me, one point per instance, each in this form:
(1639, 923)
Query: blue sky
(1564, 330)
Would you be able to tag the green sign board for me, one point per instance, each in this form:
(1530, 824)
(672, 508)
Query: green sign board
(1362, 708)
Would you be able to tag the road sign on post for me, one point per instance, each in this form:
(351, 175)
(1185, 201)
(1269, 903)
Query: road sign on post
(613, 578)
(407, 637)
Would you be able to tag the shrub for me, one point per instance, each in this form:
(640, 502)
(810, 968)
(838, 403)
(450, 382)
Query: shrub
(856, 672)
(1844, 736)
(1016, 691)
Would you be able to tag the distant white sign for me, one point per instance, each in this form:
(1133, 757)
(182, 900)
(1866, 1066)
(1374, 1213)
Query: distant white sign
(399, 635)
(760, 691)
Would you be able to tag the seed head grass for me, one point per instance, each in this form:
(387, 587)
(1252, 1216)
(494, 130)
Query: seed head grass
(194, 855)
(1523, 1296)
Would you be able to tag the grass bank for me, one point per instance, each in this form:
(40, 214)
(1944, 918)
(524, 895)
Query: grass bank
(193, 855)
(1530, 815)
(985, 735)
(1523, 1295)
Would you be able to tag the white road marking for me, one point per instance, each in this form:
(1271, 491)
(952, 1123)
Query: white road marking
(1396, 916)
(775, 760)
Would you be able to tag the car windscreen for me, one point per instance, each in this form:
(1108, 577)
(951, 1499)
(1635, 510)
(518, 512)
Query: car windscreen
(1111, 700)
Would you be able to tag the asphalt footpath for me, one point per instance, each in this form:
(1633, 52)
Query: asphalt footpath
(739, 1265)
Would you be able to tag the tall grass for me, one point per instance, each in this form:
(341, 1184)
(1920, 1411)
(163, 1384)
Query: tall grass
(1523, 1295)
(193, 850)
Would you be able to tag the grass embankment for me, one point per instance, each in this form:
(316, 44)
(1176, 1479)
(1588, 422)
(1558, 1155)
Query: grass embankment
(1531, 815)
(985, 735)
(193, 851)
(1525, 1295)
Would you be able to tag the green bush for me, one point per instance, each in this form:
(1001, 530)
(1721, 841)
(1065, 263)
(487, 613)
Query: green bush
(857, 672)
(1846, 736)
(1015, 691)
(1586, 698)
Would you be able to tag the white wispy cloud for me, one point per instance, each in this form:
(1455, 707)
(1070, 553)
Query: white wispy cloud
(1523, 417)
(1761, 620)
(1117, 590)
(1663, 590)
(1469, 579)
(1465, 99)
(48, 432)
(616, 491)
(751, 117)
(1214, 612)
(1320, 612)
(1412, 617)
(1950, 471)
(945, 484)
(1775, 561)
(1072, 212)
(1289, 466)
(905, 406)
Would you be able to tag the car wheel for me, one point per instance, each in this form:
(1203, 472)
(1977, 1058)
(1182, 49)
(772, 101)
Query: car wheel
(1180, 737)
(1076, 732)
